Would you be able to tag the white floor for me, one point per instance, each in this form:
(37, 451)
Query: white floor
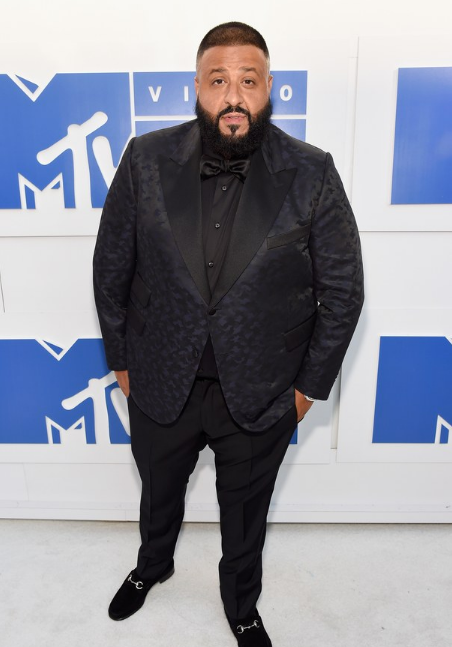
(341, 585)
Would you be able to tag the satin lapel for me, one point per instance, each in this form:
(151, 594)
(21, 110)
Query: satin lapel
(181, 183)
(261, 200)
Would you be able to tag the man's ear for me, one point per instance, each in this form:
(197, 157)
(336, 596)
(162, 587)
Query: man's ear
(270, 83)
(196, 86)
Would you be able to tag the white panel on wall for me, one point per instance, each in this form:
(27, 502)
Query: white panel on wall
(331, 65)
(12, 482)
(407, 269)
(108, 484)
(47, 274)
(403, 145)
(201, 491)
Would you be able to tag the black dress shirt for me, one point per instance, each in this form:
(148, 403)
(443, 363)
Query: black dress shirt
(220, 196)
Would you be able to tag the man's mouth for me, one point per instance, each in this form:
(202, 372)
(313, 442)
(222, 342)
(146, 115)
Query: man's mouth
(234, 118)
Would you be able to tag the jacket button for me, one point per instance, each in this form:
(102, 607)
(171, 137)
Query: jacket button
(212, 311)
(195, 352)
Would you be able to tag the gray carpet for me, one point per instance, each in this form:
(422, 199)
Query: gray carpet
(338, 585)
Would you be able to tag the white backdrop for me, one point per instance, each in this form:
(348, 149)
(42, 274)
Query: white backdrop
(334, 472)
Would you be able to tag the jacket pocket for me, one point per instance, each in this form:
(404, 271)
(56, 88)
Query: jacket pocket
(288, 236)
(301, 333)
(135, 319)
(140, 290)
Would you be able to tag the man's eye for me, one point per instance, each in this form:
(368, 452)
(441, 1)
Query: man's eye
(249, 81)
(218, 82)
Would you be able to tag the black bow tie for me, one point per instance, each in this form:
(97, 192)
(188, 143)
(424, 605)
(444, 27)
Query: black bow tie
(211, 166)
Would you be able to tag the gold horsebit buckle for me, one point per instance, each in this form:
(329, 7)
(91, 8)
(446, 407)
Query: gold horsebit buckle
(241, 628)
(138, 585)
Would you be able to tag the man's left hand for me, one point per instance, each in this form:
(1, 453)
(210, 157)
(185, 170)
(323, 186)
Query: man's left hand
(302, 405)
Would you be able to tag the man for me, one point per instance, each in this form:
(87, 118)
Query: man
(228, 283)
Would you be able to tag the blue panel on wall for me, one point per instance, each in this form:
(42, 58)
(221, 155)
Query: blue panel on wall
(414, 390)
(164, 93)
(51, 133)
(422, 172)
(289, 92)
(45, 393)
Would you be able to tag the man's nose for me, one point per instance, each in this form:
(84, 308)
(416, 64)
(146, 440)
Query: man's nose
(233, 95)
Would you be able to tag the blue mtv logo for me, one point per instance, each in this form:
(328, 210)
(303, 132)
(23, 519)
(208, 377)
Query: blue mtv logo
(414, 391)
(56, 396)
(422, 171)
(61, 142)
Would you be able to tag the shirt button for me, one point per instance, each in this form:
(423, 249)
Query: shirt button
(210, 263)
(224, 188)
(217, 224)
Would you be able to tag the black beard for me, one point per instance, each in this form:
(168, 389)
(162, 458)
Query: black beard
(233, 146)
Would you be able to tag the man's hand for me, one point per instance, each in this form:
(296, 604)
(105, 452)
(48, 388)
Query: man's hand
(302, 405)
(123, 381)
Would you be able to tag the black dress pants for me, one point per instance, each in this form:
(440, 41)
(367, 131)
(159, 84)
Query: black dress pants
(246, 465)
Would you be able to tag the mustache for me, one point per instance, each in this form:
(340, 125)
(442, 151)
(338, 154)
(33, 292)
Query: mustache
(230, 109)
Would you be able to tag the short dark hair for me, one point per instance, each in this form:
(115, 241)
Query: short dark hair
(232, 33)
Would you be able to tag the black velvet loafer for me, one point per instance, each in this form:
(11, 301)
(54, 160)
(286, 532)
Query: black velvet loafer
(132, 594)
(250, 631)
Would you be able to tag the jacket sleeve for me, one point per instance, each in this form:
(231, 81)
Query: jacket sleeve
(114, 261)
(338, 286)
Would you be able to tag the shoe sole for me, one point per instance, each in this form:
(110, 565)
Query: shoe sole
(159, 581)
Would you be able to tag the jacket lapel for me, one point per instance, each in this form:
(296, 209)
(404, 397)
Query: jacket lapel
(262, 198)
(181, 183)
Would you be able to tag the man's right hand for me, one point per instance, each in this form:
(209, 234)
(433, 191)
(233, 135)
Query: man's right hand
(123, 381)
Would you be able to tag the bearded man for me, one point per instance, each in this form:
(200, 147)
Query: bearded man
(228, 283)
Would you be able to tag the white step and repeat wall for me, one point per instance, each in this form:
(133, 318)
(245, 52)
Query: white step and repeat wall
(375, 89)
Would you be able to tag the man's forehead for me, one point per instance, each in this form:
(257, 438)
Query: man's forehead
(229, 57)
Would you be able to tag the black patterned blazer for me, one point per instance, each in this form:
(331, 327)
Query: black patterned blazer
(287, 299)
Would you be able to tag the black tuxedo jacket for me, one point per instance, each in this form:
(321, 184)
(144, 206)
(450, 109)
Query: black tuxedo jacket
(286, 302)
